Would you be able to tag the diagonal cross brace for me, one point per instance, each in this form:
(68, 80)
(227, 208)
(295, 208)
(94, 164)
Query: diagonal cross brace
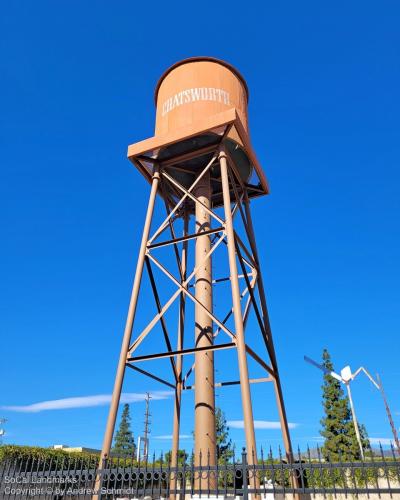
(192, 197)
(191, 296)
(168, 304)
(164, 224)
(227, 316)
(162, 319)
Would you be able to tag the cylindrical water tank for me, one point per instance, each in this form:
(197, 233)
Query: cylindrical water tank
(201, 107)
(197, 88)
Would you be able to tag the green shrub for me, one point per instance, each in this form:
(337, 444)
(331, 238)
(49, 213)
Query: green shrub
(27, 457)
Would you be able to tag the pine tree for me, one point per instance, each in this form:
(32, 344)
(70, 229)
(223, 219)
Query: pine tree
(337, 424)
(124, 443)
(224, 443)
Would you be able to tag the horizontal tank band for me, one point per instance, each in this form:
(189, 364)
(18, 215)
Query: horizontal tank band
(196, 59)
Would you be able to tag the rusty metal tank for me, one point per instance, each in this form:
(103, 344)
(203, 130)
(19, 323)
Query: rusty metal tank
(191, 91)
(197, 88)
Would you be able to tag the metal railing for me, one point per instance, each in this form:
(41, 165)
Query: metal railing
(271, 477)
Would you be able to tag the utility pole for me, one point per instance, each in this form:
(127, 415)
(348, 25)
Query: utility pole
(146, 431)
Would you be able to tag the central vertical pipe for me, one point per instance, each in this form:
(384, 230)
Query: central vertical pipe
(204, 433)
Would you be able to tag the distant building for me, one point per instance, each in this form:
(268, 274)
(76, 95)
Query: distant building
(74, 449)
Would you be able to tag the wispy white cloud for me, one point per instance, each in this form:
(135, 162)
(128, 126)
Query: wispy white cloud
(259, 424)
(383, 441)
(84, 402)
(167, 437)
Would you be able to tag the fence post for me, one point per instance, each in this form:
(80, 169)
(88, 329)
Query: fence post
(244, 475)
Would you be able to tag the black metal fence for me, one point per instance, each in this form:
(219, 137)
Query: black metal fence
(378, 476)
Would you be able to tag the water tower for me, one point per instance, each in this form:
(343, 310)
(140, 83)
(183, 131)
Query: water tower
(200, 164)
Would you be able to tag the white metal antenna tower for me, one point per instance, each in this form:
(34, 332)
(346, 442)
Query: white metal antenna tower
(346, 376)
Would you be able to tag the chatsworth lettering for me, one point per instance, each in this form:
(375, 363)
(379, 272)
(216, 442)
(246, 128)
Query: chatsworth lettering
(193, 95)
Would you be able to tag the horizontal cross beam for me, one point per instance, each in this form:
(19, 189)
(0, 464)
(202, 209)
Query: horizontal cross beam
(186, 238)
(234, 382)
(160, 355)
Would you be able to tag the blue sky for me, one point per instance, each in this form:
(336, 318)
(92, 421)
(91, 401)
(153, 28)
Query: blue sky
(76, 88)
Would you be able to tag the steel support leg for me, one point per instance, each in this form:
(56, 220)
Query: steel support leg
(269, 343)
(237, 311)
(179, 359)
(270, 346)
(119, 378)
